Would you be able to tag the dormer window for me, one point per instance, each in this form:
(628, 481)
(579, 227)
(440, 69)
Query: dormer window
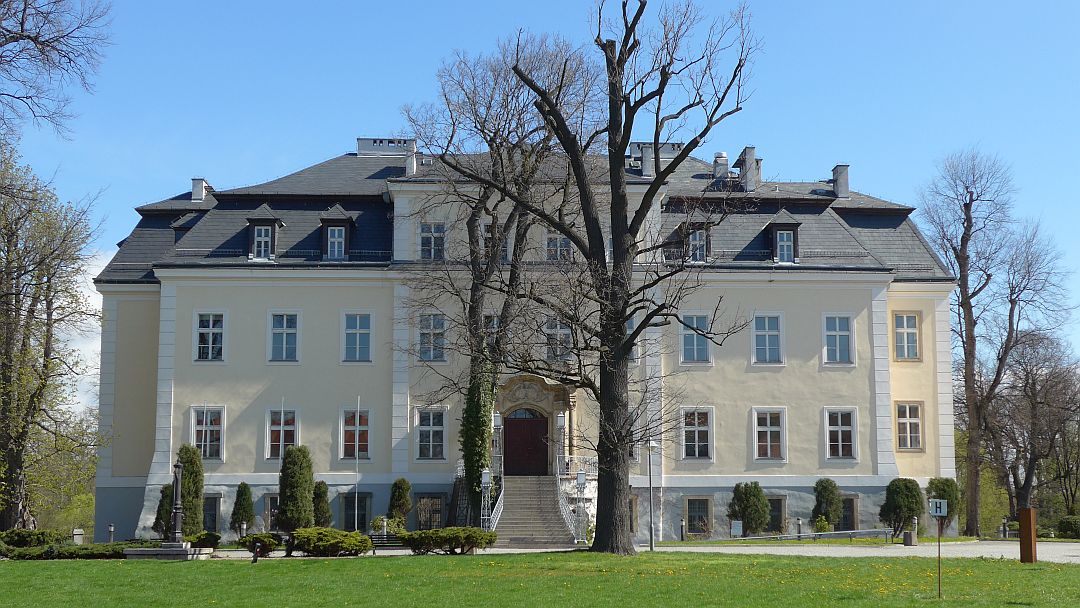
(261, 243)
(783, 236)
(785, 246)
(697, 245)
(263, 226)
(335, 242)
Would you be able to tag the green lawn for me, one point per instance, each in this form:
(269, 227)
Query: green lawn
(576, 579)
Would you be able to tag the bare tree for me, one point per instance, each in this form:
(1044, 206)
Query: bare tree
(46, 46)
(1031, 414)
(1005, 283)
(1064, 466)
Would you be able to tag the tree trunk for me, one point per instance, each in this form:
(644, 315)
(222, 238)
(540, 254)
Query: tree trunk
(613, 479)
(14, 513)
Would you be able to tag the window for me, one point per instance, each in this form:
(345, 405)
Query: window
(354, 512)
(335, 242)
(909, 426)
(284, 331)
(559, 339)
(280, 432)
(906, 328)
(354, 434)
(260, 247)
(210, 509)
(431, 429)
(697, 516)
(767, 339)
(838, 340)
(429, 512)
(433, 337)
(785, 246)
(849, 514)
(695, 347)
(489, 238)
(777, 515)
(769, 429)
(271, 502)
(210, 336)
(207, 430)
(841, 433)
(697, 245)
(491, 331)
(631, 325)
(432, 240)
(696, 434)
(559, 248)
(357, 337)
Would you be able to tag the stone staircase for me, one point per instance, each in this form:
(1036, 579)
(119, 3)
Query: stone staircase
(530, 516)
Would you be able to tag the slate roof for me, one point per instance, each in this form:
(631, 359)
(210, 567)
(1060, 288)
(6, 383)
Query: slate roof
(859, 233)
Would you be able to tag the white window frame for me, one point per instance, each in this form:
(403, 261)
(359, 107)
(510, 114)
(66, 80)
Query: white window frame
(431, 233)
(270, 335)
(266, 430)
(754, 334)
(854, 433)
(563, 248)
(269, 239)
(780, 246)
(685, 332)
(195, 336)
(710, 428)
(907, 330)
(193, 429)
(370, 332)
(909, 420)
(330, 241)
(825, 339)
(445, 410)
(783, 458)
(697, 241)
(560, 336)
(341, 433)
(420, 331)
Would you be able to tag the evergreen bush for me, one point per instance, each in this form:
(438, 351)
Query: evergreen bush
(903, 501)
(945, 488)
(243, 509)
(400, 499)
(204, 540)
(448, 541)
(749, 505)
(17, 538)
(191, 489)
(88, 551)
(321, 505)
(163, 518)
(822, 525)
(1069, 527)
(296, 487)
(394, 525)
(827, 502)
(330, 542)
(267, 542)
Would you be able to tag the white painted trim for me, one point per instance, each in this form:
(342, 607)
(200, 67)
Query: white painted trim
(825, 364)
(341, 434)
(753, 334)
(922, 425)
(683, 331)
(160, 471)
(191, 426)
(371, 335)
(445, 409)
(195, 335)
(919, 342)
(344, 478)
(399, 422)
(855, 436)
(883, 442)
(266, 429)
(105, 288)
(270, 312)
(711, 411)
(416, 337)
(725, 482)
(107, 386)
(943, 358)
(783, 434)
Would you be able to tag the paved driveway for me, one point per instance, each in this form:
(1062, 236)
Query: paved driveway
(1050, 552)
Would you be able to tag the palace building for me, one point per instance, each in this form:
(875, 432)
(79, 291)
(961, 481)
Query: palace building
(246, 320)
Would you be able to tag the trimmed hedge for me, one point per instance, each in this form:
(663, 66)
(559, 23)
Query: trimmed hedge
(448, 541)
(268, 541)
(330, 542)
(1069, 527)
(394, 525)
(90, 551)
(204, 540)
(18, 537)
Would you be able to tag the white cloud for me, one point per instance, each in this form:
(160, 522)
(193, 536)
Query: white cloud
(87, 341)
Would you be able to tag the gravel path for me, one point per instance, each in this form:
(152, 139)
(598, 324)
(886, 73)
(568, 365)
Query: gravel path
(1049, 552)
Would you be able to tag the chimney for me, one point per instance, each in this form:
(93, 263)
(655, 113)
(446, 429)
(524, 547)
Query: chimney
(749, 167)
(840, 181)
(198, 189)
(720, 165)
(647, 161)
(410, 158)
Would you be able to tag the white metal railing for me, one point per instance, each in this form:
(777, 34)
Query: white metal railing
(564, 508)
(496, 512)
(570, 465)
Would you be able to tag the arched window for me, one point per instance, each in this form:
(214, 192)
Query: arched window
(526, 414)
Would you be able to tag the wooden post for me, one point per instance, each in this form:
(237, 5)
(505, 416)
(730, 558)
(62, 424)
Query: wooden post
(1027, 536)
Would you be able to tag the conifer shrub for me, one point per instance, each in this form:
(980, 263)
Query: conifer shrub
(750, 506)
(827, 503)
(296, 488)
(163, 518)
(330, 542)
(321, 505)
(1069, 527)
(191, 489)
(945, 488)
(903, 501)
(204, 540)
(394, 525)
(243, 509)
(19, 537)
(266, 542)
(448, 541)
(400, 499)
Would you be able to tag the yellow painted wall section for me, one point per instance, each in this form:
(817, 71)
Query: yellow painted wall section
(132, 439)
(915, 382)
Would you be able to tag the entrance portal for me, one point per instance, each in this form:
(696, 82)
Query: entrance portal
(525, 443)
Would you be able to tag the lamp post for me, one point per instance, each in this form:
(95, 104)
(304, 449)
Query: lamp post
(582, 533)
(177, 535)
(652, 543)
(112, 529)
(485, 501)
(560, 426)
(496, 438)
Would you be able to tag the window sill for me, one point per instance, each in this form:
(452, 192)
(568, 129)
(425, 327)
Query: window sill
(771, 460)
(297, 362)
(912, 450)
(435, 460)
(837, 365)
(696, 363)
(207, 362)
(358, 363)
(361, 459)
(841, 459)
(768, 364)
(437, 362)
(907, 360)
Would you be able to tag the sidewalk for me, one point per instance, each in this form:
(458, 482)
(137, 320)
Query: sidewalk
(1047, 552)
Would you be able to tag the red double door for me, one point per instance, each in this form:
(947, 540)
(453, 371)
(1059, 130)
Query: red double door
(526, 445)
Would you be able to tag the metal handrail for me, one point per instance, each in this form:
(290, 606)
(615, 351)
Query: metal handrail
(496, 512)
(564, 508)
(886, 532)
(570, 465)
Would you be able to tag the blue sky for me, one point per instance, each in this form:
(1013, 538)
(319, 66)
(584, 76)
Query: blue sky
(242, 92)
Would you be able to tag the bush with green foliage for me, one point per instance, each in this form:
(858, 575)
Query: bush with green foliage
(394, 525)
(448, 541)
(1069, 527)
(827, 502)
(204, 540)
(400, 499)
(18, 537)
(749, 505)
(821, 524)
(243, 510)
(321, 505)
(163, 518)
(5, 551)
(945, 488)
(903, 501)
(330, 542)
(88, 551)
(296, 487)
(191, 489)
(267, 541)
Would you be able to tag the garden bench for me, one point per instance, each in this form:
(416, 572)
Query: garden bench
(385, 541)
